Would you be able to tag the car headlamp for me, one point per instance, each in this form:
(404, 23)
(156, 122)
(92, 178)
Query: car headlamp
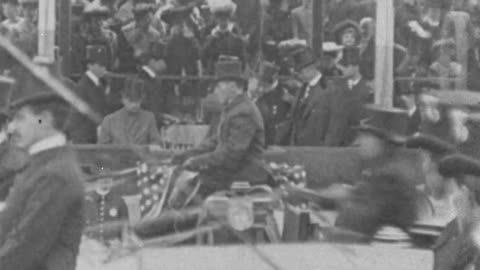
(240, 215)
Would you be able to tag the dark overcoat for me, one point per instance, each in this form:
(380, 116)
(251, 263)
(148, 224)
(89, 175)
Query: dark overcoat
(80, 128)
(345, 111)
(41, 226)
(235, 152)
(12, 161)
(156, 95)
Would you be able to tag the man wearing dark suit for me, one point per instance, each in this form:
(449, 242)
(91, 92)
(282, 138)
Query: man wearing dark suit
(94, 91)
(347, 96)
(153, 65)
(41, 225)
(310, 106)
(235, 152)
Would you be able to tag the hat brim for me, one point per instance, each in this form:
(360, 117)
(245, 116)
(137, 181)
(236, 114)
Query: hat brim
(459, 164)
(36, 99)
(430, 143)
(391, 137)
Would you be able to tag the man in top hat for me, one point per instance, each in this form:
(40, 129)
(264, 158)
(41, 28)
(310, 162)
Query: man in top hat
(42, 222)
(93, 89)
(273, 100)
(235, 153)
(140, 34)
(458, 245)
(224, 39)
(12, 158)
(130, 125)
(387, 185)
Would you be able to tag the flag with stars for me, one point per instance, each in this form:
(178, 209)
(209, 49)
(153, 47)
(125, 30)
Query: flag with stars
(152, 187)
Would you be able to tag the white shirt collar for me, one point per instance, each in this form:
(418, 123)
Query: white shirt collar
(93, 77)
(149, 71)
(315, 80)
(353, 83)
(48, 143)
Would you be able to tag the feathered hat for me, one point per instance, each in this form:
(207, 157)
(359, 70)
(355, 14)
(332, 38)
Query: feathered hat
(96, 9)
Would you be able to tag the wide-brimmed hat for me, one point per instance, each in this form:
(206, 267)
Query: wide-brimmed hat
(343, 27)
(389, 124)
(459, 164)
(142, 7)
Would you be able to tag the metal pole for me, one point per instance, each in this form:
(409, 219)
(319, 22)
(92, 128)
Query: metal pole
(318, 11)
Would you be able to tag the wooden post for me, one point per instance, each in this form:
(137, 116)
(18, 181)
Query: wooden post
(384, 53)
(46, 29)
(318, 11)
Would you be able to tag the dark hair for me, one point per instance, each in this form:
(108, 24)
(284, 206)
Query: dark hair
(58, 109)
(134, 90)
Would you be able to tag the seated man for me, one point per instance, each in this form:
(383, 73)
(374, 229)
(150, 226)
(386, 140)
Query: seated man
(131, 124)
(235, 152)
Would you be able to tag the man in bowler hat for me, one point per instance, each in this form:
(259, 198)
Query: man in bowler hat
(41, 225)
(235, 152)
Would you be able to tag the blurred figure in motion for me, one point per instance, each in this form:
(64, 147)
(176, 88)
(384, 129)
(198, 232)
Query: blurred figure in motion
(459, 245)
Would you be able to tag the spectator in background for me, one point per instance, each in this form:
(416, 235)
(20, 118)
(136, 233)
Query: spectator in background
(140, 35)
(28, 32)
(367, 48)
(332, 54)
(224, 38)
(302, 18)
(153, 65)
(130, 125)
(277, 27)
(10, 26)
(94, 33)
(182, 54)
(95, 92)
(445, 68)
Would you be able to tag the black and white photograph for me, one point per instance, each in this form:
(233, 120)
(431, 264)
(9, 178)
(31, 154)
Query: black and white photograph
(239, 134)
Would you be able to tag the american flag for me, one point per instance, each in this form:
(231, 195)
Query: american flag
(152, 188)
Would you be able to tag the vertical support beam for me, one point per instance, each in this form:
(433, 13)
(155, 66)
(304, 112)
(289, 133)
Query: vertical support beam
(318, 11)
(46, 30)
(64, 35)
(384, 53)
